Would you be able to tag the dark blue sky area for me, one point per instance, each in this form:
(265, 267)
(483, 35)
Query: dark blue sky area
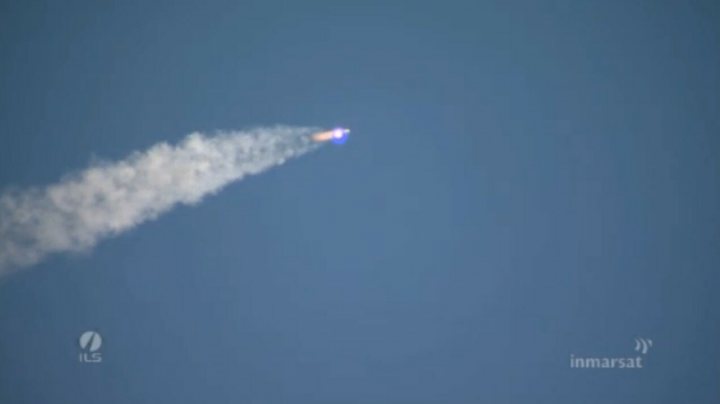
(526, 180)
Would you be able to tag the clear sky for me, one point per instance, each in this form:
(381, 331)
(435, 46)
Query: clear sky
(526, 181)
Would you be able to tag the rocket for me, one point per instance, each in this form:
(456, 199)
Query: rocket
(337, 136)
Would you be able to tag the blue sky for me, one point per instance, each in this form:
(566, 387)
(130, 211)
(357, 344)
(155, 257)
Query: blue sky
(525, 181)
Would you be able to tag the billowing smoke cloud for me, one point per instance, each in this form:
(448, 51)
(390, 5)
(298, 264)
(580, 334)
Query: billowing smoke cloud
(110, 198)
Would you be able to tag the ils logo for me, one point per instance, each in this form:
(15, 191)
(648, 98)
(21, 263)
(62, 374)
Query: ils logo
(90, 343)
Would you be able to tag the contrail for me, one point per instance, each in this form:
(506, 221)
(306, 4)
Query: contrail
(109, 198)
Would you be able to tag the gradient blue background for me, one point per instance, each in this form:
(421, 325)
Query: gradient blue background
(526, 180)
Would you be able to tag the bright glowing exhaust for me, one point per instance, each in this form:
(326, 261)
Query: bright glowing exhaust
(337, 136)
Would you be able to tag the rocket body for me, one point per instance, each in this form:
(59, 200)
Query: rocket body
(337, 136)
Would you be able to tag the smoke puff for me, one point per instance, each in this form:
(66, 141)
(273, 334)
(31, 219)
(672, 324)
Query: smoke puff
(110, 198)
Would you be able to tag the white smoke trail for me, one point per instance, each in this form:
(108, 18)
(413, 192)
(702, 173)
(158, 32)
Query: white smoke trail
(109, 198)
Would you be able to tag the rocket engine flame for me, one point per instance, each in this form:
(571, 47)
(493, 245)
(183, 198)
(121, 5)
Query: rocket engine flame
(337, 136)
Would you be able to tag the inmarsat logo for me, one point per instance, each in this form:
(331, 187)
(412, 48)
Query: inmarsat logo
(90, 343)
(642, 346)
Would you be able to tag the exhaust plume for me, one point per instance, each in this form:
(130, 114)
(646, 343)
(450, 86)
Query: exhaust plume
(110, 198)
